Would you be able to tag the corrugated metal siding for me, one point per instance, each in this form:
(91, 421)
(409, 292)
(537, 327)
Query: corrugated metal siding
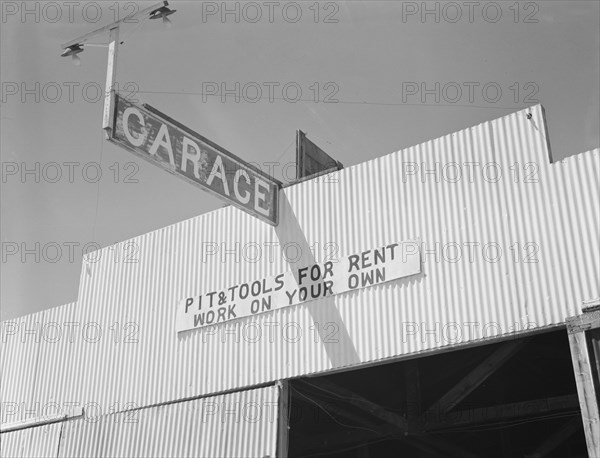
(452, 302)
(56, 366)
(237, 425)
(39, 442)
(368, 206)
(37, 364)
(20, 356)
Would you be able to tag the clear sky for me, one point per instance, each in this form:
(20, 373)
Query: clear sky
(361, 68)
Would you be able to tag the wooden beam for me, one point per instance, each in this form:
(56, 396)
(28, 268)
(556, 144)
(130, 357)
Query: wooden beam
(283, 426)
(584, 377)
(584, 322)
(324, 406)
(111, 76)
(395, 424)
(341, 410)
(554, 440)
(476, 377)
(509, 411)
(370, 407)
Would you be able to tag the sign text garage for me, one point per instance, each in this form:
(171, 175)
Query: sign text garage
(190, 156)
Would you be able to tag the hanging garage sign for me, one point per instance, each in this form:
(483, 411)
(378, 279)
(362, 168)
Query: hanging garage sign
(164, 142)
(360, 270)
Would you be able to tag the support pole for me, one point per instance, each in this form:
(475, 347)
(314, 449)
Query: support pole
(283, 415)
(578, 329)
(111, 74)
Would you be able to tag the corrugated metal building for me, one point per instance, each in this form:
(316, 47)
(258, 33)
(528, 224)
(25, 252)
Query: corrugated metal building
(509, 244)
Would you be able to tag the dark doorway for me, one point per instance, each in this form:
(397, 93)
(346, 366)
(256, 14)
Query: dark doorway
(515, 398)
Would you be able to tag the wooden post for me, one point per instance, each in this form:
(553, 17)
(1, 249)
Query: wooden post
(283, 416)
(584, 377)
(111, 74)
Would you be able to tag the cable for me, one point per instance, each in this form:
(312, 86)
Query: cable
(336, 396)
(331, 416)
(339, 396)
(98, 189)
(509, 424)
(349, 102)
(285, 150)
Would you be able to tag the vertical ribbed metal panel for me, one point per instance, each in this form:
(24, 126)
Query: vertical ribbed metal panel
(20, 358)
(38, 442)
(37, 364)
(59, 338)
(358, 208)
(456, 300)
(233, 425)
(34, 358)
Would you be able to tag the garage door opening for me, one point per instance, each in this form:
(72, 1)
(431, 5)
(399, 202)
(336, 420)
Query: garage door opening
(515, 398)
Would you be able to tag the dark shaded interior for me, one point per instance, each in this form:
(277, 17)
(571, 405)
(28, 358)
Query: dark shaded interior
(515, 398)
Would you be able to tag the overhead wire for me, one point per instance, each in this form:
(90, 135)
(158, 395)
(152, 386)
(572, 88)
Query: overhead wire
(331, 416)
(126, 36)
(386, 437)
(285, 150)
(98, 189)
(350, 102)
(337, 395)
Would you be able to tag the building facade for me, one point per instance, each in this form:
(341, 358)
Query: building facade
(508, 242)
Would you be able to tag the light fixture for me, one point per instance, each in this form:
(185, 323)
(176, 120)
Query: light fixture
(162, 13)
(75, 46)
(157, 11)
(72, 51)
